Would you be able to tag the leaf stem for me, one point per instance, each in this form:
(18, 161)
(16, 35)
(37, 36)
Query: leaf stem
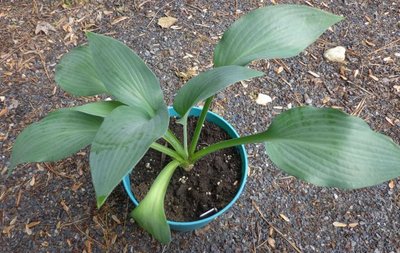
(185, 138)
(254, 138)
(175, 143)
(167, 151)
(199, 125)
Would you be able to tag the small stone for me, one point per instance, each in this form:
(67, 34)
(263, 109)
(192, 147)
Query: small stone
(307, 99)
(263, 99)
(271, 242)
(336, 54)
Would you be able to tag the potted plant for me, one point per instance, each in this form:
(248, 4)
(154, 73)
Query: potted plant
(322, 146)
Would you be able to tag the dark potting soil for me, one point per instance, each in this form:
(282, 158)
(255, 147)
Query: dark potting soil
(212, 183)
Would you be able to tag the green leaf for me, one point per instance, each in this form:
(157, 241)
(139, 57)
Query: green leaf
(101, 109)
(124, 74)
(122, 140)
(150, 213)
(57, 136)
(76, 73)
(279, 31)
(208, 83)
(327, 147)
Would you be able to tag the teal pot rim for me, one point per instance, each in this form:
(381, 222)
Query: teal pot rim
(192, 225)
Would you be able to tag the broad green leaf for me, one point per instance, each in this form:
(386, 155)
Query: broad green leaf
(124, 74)
(150, 213)
(327, 147)
(101, 109)
(122, 140)
(76, 73)
(209, 83)
(278, 31)
(57, 136)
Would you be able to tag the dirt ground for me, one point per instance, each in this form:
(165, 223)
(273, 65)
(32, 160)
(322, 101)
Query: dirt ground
(50, 207)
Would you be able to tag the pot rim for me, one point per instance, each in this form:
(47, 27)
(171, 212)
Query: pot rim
(195, 111)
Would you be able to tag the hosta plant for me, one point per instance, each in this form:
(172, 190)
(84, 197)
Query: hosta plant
(322, 146)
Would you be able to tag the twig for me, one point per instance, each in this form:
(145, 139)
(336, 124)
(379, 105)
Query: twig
(384, 47)
(262, 244)
(195, 7)
(44, 65)
(272, 226)
(155, 15)
(141, 4)
(73, 222)
(56, 172)
(359, 107)
(88, 236)
(281, 63)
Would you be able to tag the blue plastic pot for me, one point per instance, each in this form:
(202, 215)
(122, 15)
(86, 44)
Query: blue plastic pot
(192, 225)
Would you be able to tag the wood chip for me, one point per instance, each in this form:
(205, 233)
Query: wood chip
(88, 244)
(279, 70)
(3, 112)
(117, 20)
(372, 76)
(390, 121)
(28, 230)
(397, 88)
(7, 229)
(115, 218)
(190, 72)
(13, 221)
(167, 22)
(352, 225)
(356, 73)
(32, 182)
(271, 242)
(44, 27)
(114, 239)
(64, 206)
(313, 74)
(339, 224)
(326, 99)
(271, 231)
(369, 43)
(391, 184)
(284, 217)
(58, 226)
(33, 224)
(76, 186)
(18, 200)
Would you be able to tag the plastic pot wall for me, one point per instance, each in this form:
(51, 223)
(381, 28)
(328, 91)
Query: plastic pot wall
(192, 225)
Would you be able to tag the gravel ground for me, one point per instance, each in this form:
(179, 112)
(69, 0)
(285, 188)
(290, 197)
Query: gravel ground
(60, 195)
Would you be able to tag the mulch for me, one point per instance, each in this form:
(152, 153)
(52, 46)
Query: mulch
(50, 207)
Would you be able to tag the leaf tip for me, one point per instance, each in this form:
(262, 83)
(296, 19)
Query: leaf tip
(100, 201)
(89, 34)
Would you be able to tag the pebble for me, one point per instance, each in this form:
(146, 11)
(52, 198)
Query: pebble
(307, 99)
(336, 54)
(263, 99)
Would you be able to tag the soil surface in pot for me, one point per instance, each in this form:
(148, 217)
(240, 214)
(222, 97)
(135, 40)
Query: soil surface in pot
(212, 183)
